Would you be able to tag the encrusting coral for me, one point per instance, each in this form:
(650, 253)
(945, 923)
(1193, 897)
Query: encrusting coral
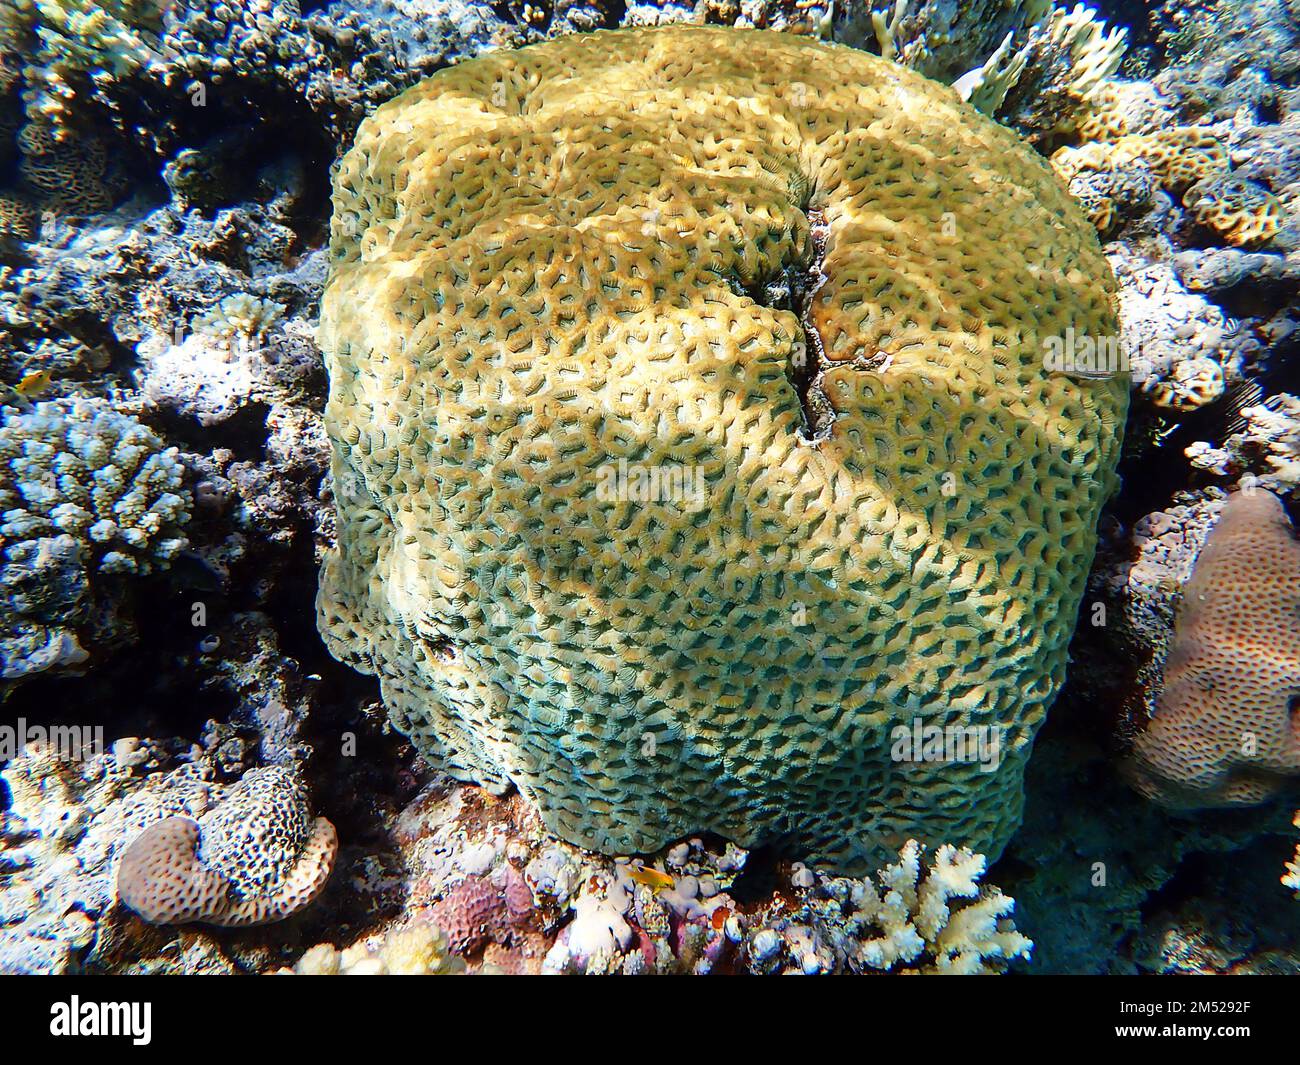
(66, 176)
(1239, 210)
(19, 216)
(1178, 157)
(1223, 732)
(1189, 384)
(1178, 344)
(256, 857)
(684, 452)
(1189, 161)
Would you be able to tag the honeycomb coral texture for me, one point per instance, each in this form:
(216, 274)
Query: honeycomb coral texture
(1224, 731)
(1237, 209)
(256, 857)
(549, 262)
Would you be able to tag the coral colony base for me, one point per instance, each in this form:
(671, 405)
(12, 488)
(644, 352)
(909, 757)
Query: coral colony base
(649, 487)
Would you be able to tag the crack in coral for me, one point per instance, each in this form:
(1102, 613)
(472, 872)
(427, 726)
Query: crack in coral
(809, 371)
(793, 290)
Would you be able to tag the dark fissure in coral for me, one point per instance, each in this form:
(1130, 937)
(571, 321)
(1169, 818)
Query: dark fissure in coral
(793, 289)
(807, 371)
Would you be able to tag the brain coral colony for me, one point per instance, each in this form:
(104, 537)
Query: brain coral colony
(649, 487)
(496, 340)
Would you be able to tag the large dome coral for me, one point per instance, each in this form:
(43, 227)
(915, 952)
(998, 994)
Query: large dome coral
(692, 434)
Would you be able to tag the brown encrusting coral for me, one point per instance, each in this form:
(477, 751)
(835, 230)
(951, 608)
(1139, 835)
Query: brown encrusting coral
(1239, 210)
(1224, 730)
(692, 434)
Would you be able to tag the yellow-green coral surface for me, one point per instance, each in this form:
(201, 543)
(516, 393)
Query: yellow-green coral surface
(549, 262)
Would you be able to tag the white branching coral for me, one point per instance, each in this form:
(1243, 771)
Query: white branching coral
(1291, 878)
(985, 87)
(81, 469)
(1072, 51)
(886, 28)
(1273, 432)
(240, 315)
(933, 918)
(1047, 84)
(1095, 52)
(1267, 447)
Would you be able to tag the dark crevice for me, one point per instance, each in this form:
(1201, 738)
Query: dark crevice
(516, 13)
(1152, 471)
(760, 877)
(809, 366)
(615, 12)
(438, 649)
(243, 434)
(793, 289)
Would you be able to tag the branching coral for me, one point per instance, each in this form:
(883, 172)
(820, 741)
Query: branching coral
(1064, 62)
(1267, 448)
(79, 468)
(240, 315)
(986, 87)
(1094, 52)
(674, 916)
(938, 39)
(87, 495)
(138, 71)
(69, 45)
(414, 949)
(928, 918)
(1033, 64)
(1291, 878)
(803, 331)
